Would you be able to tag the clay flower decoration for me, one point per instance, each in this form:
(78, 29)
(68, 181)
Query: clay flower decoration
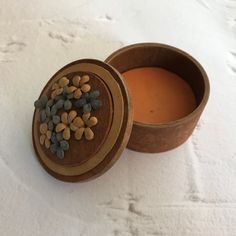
(89, 101)
(57, 88)
(68, 121)
(83, 126)
(59, 145)
(55, 130)
(47, 110)
(81, 85)
(45, 136)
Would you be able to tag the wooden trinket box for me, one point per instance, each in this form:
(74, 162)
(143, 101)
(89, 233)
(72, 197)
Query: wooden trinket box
(84, 116)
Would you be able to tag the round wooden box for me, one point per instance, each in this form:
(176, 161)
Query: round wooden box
(96, 136)
(162, 137)
(84, 159)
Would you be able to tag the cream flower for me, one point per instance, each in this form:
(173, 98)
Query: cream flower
(81, 85)
(57, 88)
(84, 126)
(67, 122)
(45, 136)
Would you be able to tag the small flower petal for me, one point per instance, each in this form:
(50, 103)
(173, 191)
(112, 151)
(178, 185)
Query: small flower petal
(77, 93)
(53, 110)
(60, 127)
(63, 82)
(43, 128)
(42, 116)
(64, 118)
(73, 127)
(91, 122)
(44, 100)
(47, 143)
(86, 116)
(88, 133)
(78, 122)
(60, 153)
(53, 94)
(84, 79)
(56, 119)
(41, 102)
(66, 133)
(67, 105)
(76, 79)
(53, 148)
(64, 145)
(87, 108)
(79, 133)
(49, 134)
(70, 89)
(71, 116)
(38, 104)
(53, 138)
(42, 139)
(59, 103)
(59, 136)
(85, 88)
(59, 91)
(50, 125)
(48, 111)
(49, 103)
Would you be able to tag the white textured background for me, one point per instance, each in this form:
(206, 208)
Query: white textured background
(188, 191)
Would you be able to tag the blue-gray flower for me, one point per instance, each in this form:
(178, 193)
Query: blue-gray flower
(63, 100)
(59, 145)
(89, 101)
(48, 111)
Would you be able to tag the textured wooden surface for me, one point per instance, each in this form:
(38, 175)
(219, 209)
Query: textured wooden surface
(190, 190)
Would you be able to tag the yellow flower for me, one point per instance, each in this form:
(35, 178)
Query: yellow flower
(68, 121)
(81, 85)
(84, 126)
(57, 88)
(45, 136)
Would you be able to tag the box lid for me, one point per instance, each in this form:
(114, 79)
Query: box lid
(82, 120)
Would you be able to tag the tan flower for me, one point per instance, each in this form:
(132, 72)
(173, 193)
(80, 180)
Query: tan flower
(81, 85)
(45, 136)
(84, 126)
(57, 88)
(68, 122)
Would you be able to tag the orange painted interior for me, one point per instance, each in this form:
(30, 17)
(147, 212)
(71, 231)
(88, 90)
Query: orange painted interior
(158, 95)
